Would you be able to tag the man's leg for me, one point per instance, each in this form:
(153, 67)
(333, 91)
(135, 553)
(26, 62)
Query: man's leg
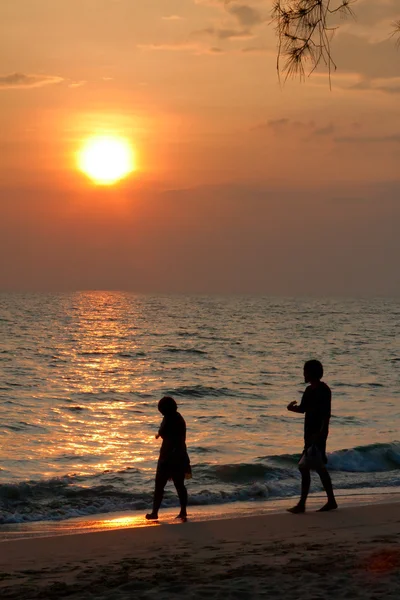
(161, 482)
(327, 483)
(305, 488)
(179, 482)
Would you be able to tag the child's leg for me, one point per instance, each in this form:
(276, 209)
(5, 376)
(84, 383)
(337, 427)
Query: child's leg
(161, 482)
(179, 482)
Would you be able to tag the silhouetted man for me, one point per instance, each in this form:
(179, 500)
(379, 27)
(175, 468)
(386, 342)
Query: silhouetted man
(316, 406)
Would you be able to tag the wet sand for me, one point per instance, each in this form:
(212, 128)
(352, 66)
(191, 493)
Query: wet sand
(351, 553)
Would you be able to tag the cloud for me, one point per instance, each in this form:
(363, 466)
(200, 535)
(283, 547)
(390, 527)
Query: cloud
(326, 130)
(256, 50)
(246, 15)
(307, 130)
(387, 86)
(225, 33)
(217, 3)
(181, 47)
(77, 84)
(21, 81)
(173, 18)
(273, 124)
(284, 124)
(378, 139)
(355, 54)
(172, 47)
(373, 12)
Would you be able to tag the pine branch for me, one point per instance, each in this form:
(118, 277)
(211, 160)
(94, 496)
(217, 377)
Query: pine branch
(396, 31)
(305, 32)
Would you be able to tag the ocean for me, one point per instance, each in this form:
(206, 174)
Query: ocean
(81, 375)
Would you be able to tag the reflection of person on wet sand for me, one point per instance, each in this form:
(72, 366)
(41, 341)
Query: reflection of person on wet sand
(173, 462)
(316, 405)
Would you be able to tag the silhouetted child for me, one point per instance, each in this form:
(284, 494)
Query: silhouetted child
(173, 462)
(316, 405)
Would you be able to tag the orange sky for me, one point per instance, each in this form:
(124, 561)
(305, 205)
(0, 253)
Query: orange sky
(242, 186)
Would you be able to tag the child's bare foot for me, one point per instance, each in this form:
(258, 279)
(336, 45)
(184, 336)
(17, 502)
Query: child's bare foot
(328, 506)
(182, 517)
(152, 516)
(298, 509)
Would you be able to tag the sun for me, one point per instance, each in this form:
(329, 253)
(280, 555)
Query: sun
(106, 159)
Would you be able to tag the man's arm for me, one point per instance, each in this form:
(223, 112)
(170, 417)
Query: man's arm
(326, 411)
(326, 416)
(321, 435)
(294, 407)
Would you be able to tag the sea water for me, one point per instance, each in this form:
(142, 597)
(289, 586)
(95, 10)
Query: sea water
(81, 375)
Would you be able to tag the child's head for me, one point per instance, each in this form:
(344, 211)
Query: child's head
(167, 406)
(313, 371)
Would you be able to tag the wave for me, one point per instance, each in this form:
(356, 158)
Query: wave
(372, 458)
(371, 384)
(95, 353)
(59, 498)
(101, 500)
(204, 450)
(273, 476)
(21, 426)
(175, 350)
(105, 499)
(202, 391)
(139, 353)
(241, 473)
(367, 459)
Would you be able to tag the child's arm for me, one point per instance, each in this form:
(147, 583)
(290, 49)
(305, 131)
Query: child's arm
(161, 430)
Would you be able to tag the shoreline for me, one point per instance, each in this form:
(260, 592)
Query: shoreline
(350, 553)
(235, 510)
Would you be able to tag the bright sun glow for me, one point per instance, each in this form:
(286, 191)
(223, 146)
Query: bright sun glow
(106, 160)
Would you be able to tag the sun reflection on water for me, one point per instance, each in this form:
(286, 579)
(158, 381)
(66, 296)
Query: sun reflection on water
(131, 521)
(106, 372)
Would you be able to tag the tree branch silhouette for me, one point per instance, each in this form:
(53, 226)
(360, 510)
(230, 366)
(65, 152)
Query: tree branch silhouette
(304, 29)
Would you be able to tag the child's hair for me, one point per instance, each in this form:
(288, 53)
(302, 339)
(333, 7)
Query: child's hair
(314, 369)
(167, 406)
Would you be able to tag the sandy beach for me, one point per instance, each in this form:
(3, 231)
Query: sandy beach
(351, 553)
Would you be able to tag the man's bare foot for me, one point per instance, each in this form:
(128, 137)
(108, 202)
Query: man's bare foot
(298, 509)
(328, 506)
(152, 516)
